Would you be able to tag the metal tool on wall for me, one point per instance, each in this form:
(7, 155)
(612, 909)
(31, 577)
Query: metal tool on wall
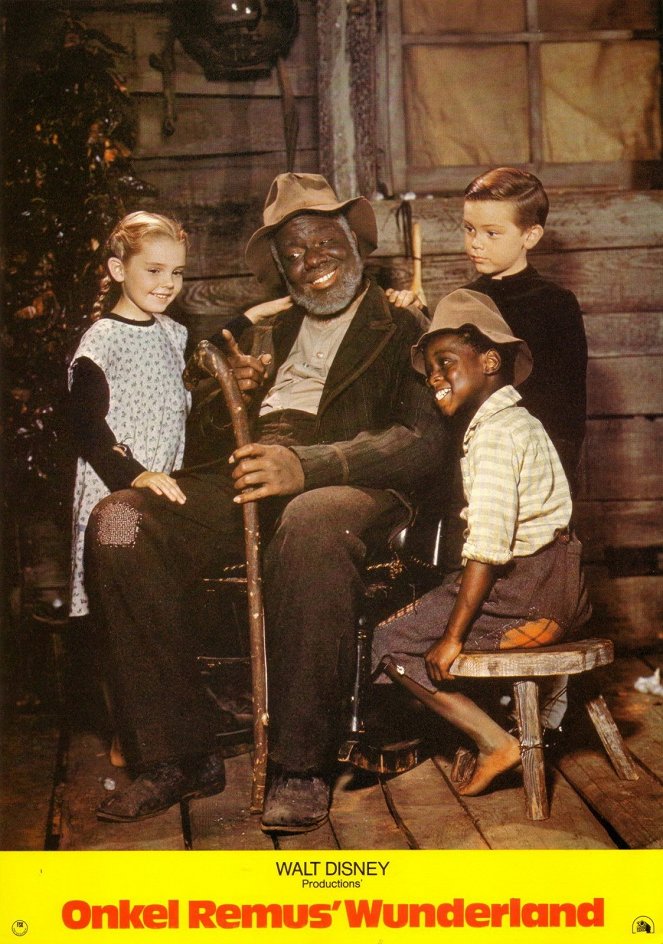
(412, 245)
(417, 284)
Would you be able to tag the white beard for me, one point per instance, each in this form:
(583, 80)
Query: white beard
(335, 299)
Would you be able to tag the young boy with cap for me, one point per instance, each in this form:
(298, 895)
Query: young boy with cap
(521, 583)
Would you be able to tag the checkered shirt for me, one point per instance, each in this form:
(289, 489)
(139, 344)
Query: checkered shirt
(516, 491)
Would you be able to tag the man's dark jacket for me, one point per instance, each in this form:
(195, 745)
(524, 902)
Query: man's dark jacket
(377, 424)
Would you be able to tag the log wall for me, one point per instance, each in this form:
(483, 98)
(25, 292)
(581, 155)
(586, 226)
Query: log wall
(605, 246)
(229, 139)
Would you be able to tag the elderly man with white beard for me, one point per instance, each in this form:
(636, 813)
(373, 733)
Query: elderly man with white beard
(346, 437)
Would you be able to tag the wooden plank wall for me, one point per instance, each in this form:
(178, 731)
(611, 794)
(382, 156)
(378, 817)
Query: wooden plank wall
(229, 139)
(606, 246)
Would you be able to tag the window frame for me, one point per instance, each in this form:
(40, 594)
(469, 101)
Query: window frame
(395, 173)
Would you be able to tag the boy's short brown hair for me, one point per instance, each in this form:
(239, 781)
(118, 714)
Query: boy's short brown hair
(519, 187)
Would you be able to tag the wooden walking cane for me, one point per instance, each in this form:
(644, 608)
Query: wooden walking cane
(209, 359)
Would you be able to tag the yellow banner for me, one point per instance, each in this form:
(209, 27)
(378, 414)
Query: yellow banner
(375, 897)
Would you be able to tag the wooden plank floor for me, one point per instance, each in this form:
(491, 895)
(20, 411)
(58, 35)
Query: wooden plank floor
(28, 772)
(590, 807)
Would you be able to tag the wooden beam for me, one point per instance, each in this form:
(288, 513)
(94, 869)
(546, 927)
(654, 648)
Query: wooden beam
(626, 609)
(132, 6)
(617, 524)
(209, 181)
(624, 386)
(534, 83)
(335, 125)
(542, 36)
(209, 126)
(578, 220)
(609, 280)
(212, 298)
(618, 334)
(627, 175)
(394, 120)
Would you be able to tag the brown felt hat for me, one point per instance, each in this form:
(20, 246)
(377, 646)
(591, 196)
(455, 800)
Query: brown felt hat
(291, 194)
(465, 307)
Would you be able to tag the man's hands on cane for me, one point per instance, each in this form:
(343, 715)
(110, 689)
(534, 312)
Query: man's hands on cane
(249, 371)
(263, 470)
(260, 470)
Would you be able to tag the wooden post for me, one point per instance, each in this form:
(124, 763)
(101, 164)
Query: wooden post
(526, 695)
(347, 96)
(335, 126)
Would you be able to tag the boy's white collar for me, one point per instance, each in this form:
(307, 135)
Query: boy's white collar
(500, 400)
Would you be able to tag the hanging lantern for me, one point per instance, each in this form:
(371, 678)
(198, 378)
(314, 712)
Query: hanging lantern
(235, 38)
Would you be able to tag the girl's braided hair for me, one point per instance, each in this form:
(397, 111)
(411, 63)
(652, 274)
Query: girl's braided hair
(125, 241)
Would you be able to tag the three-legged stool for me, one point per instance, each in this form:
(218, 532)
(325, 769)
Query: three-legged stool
(524, 666)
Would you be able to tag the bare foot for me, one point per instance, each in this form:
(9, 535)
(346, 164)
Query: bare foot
(491, 765)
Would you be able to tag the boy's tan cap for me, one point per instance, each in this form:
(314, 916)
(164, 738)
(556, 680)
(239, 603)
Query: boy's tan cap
(465, 307)
(291, 194)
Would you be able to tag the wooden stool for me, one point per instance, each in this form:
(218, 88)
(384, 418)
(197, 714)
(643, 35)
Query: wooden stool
(524, 666)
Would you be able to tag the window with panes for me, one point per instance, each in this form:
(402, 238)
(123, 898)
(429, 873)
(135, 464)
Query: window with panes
(569, 89)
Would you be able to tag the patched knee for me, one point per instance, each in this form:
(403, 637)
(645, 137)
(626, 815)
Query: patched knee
(115, 523)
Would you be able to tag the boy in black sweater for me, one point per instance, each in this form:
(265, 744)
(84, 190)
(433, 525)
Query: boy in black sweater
(503, 217)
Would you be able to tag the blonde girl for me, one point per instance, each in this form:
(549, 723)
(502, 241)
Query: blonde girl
(128, 405)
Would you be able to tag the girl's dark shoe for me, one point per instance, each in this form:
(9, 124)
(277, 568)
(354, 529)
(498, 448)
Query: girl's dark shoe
(160, 786)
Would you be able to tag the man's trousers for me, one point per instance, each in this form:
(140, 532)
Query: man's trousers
(145, 553)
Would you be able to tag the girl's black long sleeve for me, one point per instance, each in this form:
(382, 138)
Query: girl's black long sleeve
(89, 400)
